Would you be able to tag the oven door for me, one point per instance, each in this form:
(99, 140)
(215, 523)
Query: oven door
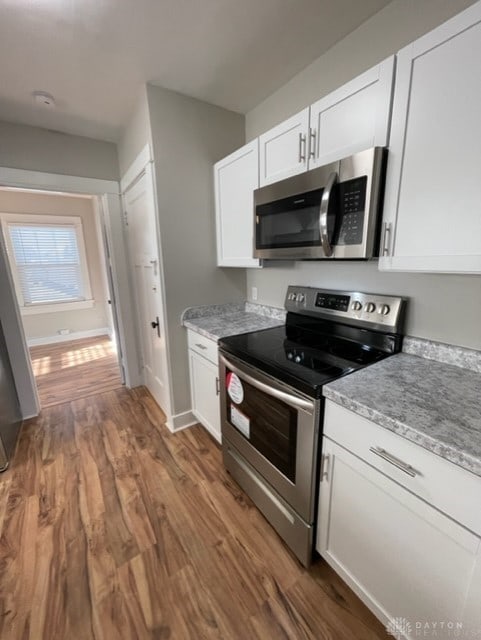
(274, 428)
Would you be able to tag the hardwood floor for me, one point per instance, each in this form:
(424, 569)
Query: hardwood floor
(76, 369)
(113, 528)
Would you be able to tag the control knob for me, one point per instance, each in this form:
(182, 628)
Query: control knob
(356, 305)
(384, 309)
(300, 297)
(291, 296)
(369, 307)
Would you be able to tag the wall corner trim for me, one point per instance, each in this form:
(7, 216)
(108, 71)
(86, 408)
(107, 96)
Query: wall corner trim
(136, 168)
(23, 179)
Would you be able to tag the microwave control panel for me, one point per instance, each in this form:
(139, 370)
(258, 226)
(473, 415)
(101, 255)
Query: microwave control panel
(352, 203)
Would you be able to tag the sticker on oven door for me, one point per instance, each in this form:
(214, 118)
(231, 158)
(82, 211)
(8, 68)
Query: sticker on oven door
(234, 388)
(240, 420)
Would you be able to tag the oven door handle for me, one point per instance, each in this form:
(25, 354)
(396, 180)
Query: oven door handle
(323, 210)
(293, 401)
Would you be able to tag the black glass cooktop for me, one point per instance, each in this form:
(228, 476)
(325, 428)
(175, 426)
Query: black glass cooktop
(309, 354)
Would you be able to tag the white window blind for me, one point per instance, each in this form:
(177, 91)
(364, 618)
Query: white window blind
(48, 262)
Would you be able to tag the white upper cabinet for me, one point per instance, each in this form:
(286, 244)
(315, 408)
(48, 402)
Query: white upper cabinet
(283, 150)
(235, 179)
(353, 118)
(432, 211)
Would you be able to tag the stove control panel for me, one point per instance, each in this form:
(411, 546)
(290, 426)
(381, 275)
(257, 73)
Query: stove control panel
(379, 312)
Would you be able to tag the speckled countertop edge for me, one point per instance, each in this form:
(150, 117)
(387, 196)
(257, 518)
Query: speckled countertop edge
(402, 391)
(206, 310)
(219, 321)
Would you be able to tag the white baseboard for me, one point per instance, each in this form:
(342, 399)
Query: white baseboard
(76, 335)
(181, 421)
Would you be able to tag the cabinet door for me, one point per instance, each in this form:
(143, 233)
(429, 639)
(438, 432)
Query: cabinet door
(283, 149)
(354, 117)
(204, 385)
(401, 556)
(433, 189)
(235, 179)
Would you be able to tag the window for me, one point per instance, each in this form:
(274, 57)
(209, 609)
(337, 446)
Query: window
(47, 257)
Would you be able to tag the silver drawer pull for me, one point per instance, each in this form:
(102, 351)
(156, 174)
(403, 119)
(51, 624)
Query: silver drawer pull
(382, 453)
(201, 346)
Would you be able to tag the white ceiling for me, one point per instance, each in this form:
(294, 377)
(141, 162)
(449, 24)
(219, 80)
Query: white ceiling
(94, 55)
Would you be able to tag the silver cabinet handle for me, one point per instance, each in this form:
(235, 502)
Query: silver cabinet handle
(326, 197)
(325, 466)
(293, 401)
(217, 386)
(201, 346)
(302, 147)
(386, 238)
(385, 455)
(312, 143)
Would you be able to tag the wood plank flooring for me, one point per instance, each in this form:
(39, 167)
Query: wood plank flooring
(112, 528)
(76, 369)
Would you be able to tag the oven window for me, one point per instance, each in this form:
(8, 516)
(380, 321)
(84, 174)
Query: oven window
(269, 424)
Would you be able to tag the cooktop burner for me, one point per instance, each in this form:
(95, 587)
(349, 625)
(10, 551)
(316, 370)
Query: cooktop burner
(296, 363)
(321, 340)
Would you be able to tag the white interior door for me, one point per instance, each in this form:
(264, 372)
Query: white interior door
(140, 210)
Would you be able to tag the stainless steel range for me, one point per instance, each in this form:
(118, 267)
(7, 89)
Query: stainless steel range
(271, 397)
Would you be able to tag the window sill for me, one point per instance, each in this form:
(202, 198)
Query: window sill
(56, 307)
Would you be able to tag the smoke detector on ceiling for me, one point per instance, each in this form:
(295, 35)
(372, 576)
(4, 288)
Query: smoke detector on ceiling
(43, 98)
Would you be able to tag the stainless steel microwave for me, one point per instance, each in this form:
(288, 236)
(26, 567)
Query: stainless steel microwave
(329, 212)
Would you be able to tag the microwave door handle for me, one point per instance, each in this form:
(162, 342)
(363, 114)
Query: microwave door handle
(293, 401)
(326, 196)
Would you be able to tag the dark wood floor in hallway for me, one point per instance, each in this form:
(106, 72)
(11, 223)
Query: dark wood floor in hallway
(75, 369)
(113, 528)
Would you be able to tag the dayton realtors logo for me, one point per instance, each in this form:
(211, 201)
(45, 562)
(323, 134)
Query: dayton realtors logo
(402, 628)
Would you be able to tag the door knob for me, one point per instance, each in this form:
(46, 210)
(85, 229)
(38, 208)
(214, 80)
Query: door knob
(156, 325)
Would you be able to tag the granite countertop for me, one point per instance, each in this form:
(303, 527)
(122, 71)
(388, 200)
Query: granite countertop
(219, 321)
(431, 403)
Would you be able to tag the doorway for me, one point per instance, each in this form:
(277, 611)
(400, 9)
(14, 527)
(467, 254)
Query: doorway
(76, 369)
(146, 268)
(60, 271)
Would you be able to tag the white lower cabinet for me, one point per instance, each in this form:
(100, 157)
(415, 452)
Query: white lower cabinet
(204, 382)
(406, 560)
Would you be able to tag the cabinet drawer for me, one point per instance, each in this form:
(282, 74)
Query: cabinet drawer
(202, 345)
(449, 488)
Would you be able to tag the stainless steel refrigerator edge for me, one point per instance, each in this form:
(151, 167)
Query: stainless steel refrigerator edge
(10, 416)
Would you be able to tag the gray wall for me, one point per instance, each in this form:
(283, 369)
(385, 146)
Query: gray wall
(44, 325)
(136, 134)
(188, 137)
(395, 26)
(35, 149)
(442, 307)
